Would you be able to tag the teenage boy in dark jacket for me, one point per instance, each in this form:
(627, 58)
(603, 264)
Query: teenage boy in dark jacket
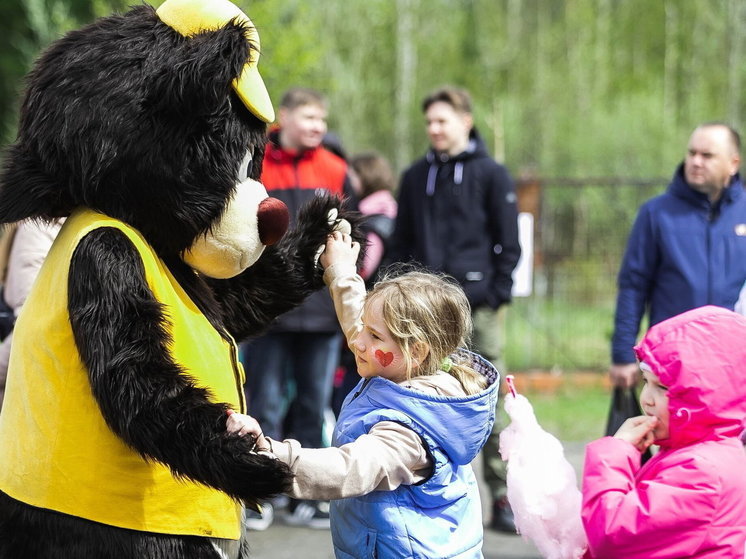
(458, 215)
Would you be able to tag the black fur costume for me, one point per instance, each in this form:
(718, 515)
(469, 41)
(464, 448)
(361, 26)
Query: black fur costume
(129, 118)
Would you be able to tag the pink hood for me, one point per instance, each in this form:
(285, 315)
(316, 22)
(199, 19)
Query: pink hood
(689, 500)
(379, 202)
(700, 356)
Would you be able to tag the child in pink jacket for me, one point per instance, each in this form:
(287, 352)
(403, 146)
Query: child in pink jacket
(689, 500)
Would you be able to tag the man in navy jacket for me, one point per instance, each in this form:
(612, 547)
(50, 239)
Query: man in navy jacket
(687, 247)
(458, 214)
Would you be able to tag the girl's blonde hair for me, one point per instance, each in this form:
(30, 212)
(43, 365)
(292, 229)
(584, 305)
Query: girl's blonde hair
(429, 309)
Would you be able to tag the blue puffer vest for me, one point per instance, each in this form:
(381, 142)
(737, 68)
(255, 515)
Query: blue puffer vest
(440, 517)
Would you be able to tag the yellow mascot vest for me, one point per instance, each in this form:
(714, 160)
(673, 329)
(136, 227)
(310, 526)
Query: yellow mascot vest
(56, 450)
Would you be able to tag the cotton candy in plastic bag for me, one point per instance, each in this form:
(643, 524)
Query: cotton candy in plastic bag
(542, 486)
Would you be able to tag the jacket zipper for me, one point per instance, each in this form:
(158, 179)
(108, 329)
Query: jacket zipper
(363, 387)
(236, 375)
(711, 217)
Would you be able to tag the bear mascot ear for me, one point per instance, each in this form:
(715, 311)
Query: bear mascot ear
(191, 19)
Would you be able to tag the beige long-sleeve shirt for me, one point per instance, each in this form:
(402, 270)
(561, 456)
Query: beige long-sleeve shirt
(30, 246)
(390, 454)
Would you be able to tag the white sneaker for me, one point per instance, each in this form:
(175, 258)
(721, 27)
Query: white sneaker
(311, 514)
(258, 521)
(280, 502)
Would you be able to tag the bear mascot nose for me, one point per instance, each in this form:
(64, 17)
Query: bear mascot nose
(273, 219)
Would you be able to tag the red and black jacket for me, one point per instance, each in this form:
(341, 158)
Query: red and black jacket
(295, 177)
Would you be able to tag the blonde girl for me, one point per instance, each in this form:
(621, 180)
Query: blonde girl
(398, 472)
(427, 318)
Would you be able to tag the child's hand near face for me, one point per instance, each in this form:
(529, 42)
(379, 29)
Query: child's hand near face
(340, 249)
(242, 425)
(638, 431)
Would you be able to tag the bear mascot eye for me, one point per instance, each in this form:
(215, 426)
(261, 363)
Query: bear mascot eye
(146, 132)
(246, 167)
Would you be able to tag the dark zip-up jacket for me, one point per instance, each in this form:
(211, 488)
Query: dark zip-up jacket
(683, 252)
(459, 215)
(296, 177)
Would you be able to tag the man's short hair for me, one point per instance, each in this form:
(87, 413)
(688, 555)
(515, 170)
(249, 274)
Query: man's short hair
(735, 137)
(300, 96)
(456, 97)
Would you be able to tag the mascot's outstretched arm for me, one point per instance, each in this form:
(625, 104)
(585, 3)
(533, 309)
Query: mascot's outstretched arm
(147, 399)
(286, 273)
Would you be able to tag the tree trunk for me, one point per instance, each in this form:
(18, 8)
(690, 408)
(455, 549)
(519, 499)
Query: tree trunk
(406, 67)
(735, 58)
(670, 65)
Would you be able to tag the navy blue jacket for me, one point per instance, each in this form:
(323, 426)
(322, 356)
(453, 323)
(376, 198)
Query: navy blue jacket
(458, 215)
(682, 253)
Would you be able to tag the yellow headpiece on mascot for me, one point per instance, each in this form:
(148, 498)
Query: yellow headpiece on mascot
(189, 17)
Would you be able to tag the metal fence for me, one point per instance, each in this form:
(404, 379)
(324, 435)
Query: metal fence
(580, 232)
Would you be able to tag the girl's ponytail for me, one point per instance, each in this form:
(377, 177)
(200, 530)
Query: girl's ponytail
(460, 368)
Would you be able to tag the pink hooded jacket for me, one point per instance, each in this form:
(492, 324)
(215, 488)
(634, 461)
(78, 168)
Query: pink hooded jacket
(379, 202)
(689, 500)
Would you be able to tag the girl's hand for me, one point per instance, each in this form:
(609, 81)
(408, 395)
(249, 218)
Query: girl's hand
(243, 425)
(638, 431)
(339, 249)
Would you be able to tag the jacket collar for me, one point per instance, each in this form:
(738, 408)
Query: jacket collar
(474, 147)
(280, 154)
(681, 189)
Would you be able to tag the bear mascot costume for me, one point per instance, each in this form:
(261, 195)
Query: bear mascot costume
(147, 131)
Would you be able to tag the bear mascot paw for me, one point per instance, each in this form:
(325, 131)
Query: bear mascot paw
(147, 131)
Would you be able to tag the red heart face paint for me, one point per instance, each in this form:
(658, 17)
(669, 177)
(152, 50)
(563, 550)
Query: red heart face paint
(377, 354)
(384, 359)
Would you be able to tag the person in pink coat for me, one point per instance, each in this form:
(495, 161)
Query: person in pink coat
(689, 500)
(377, 202)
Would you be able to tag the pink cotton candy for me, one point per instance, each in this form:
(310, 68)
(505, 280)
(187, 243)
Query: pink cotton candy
(542, 486)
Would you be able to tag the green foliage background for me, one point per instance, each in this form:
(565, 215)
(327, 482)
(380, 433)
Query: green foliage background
(564, 87)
